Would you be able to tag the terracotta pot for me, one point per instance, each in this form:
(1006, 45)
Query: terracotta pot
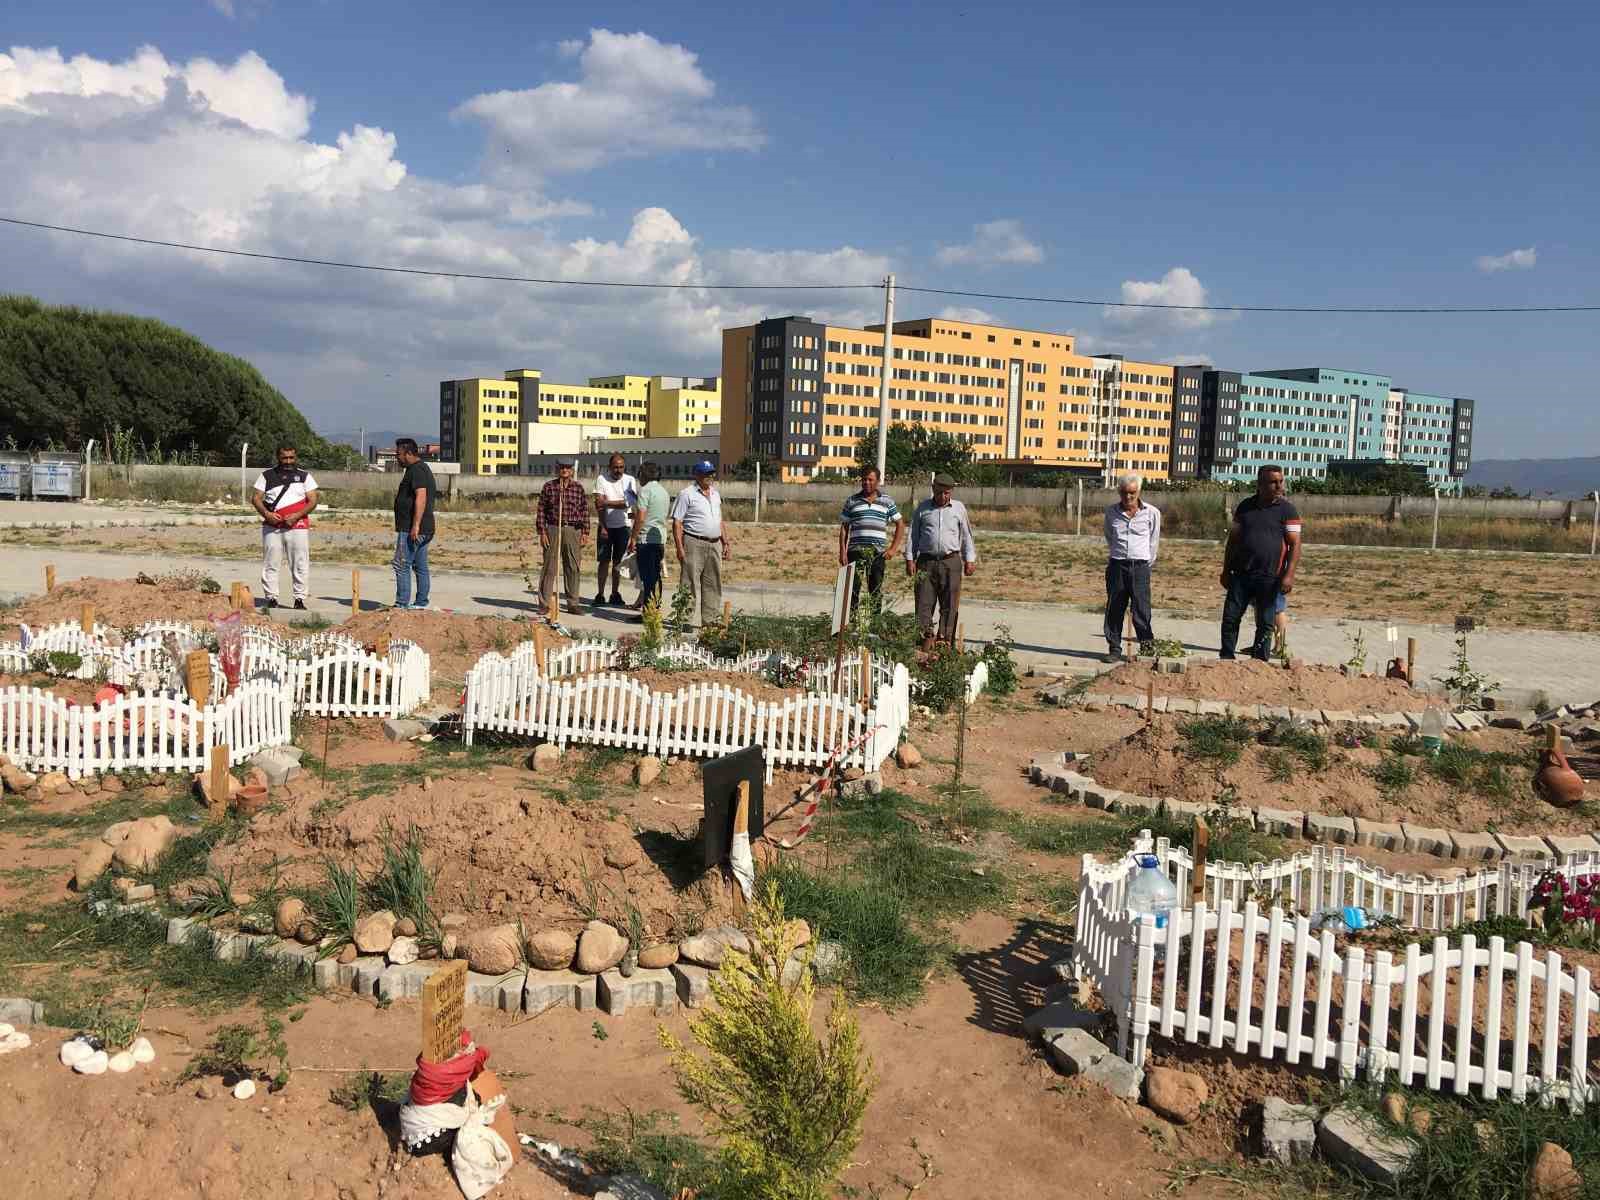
(1555, 780)
(1397, 669)
(249, 799)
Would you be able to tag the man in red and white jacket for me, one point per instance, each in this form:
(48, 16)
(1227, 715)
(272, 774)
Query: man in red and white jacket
(284, 496)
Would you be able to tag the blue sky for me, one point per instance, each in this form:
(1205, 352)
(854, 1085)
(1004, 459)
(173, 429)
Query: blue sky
(1343, 154)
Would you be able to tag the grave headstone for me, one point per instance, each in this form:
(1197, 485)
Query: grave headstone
(444, 1003)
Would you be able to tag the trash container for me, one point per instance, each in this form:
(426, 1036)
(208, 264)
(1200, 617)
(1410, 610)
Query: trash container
(57, 475)
(15, 470)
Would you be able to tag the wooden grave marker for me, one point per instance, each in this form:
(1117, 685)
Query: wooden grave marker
(1411, 661)
(49, 577)
(1197, 879)
(240, 592)
(86, 619)
(444, 1004)
(197, 676)
(539, 649)
(218, 807)
(355, 592)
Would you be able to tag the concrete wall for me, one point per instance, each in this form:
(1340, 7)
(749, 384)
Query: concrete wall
(1094, 499)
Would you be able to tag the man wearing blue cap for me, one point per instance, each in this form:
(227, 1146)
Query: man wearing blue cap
(701, 541)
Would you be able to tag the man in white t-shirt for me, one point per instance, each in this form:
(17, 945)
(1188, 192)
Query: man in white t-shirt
(284, 496)
(615, 495)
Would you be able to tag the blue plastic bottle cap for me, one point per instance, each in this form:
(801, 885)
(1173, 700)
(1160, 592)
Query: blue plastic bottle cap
(1148, 861)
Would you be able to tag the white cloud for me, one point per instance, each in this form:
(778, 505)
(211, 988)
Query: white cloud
(1512, 260)
(219, 155)
(1179, 287)
(973, 316)
(634, 96)
(225, 7)
(1001, 241)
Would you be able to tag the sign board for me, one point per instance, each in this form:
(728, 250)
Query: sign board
(444, 1005)
(1393, 635)
(197, 676)
(843, 585)
(720, 779)
(1465, 624)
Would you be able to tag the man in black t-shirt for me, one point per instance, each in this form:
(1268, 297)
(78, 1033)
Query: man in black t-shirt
(1259, 562)
(413, 524)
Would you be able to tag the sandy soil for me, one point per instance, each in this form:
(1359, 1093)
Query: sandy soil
(78, 691)
(1247, 681)
(123, 604)
(1511, 591)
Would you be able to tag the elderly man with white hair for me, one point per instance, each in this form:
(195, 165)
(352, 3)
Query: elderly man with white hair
(1133, 536)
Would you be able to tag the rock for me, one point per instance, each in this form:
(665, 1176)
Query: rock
(545, 758)
(655, 958)
(399, 729)
(449, 945)
(552, 949)
(116, 834)
(1552, 1176)
(1288, 1131)
(112, 785)
(1484, 1132)
(289, 917)
(73, 1052)
(205, 1091)
(1175, 1095)
(244, 1089)
(1079, 1054)
(403, 950)
(492, 951)
(629, 1187)
(646, 771)
(1353, 1140)
(703, 950)
(202, 783)
(600, 947)
(622, 854)
(53, 783)
(255, 922)
(306, 933)
(278, 764)
(375, 933)
(454, 920)
(731, 937)
(140, 892)
(95, 1062)
(148, 839)
(908, 756)
(16, 779)
(142, 1050)
(349, 954)
(121, 1064)
(800, 930)
(405, 927)
(828, 961)
(92, 864)
(1394, 1107)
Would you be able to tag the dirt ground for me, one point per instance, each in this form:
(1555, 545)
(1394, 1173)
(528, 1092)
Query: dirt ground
(1247, 681)
(1511, 591)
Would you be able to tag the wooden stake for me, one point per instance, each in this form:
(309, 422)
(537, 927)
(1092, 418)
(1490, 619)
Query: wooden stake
(1552, 737)
(961, 635)
(86, 619)
(355, 592)
(727, 613)
(240, 596)
(197, 676)
(1411, 661)
(1202, 843)
(539, 647)
(1130, 647)
(866, 674)
(741, 824)
(49, 577)
(219, 783)
(1150, 702)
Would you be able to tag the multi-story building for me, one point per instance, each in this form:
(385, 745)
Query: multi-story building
(485, 423)
(1219, 424)
(801, 394)
(1188, 398)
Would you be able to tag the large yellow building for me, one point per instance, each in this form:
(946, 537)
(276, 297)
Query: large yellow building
(801, 394)
(483, 422)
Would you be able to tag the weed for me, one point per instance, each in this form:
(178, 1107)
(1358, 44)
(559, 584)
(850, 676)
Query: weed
(1306, 744)
(598, 1032)
(244, 1052)
(649, 1145)
(337, 904)
(404, 885)
(1394, 775)
(1467, 685)
(1279, 764)
(1163, 648)
(1216, 739)
(371, 1090)
(1357, 661)
(1002, 666)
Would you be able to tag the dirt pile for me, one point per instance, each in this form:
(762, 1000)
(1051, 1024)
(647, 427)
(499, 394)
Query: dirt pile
(1249, 681)
(1160, 761)
(121, 603)
(454, 642)
(502, 853)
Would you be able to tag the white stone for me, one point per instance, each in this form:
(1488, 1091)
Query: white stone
(142, 1050)
(404, 950)
(74, 1052)
(95, 1064)
(121, 1063)
(244, 1089)
(15, 1040)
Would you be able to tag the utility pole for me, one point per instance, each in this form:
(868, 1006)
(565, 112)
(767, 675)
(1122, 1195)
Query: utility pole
(883, 382)
(363, 450)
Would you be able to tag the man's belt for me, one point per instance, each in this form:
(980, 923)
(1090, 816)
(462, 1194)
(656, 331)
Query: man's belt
(938, 557)
(701, 537)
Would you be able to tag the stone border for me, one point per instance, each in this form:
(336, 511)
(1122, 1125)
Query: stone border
(1053, 771)
(528, 990)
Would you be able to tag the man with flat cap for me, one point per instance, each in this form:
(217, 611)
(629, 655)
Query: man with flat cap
(939, 552)
(701, 540)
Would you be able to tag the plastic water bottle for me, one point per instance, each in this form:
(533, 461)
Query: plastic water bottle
(1339, 920)
(1150, 891)
(1432, 729)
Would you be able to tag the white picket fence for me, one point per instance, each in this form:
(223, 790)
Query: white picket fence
(1255, 979)
(324, 674)
(152, 731)
(507, 694)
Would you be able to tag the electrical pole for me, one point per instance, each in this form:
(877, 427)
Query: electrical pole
(887, 373)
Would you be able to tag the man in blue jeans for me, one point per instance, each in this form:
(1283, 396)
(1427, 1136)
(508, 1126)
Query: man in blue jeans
(1259, 561)
(413, 524)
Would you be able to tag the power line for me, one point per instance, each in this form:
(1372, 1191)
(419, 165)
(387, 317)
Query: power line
(1437, 310)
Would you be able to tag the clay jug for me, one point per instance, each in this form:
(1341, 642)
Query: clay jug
(1397, 669)
(1555, 780)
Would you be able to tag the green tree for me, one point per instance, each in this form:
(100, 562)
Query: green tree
(71, 374)
(915, 450)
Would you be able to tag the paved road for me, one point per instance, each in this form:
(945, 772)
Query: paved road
(1566, 666)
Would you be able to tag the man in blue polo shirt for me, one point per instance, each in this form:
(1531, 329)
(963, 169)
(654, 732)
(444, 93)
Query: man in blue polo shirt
(1259, 561)
(864, 533)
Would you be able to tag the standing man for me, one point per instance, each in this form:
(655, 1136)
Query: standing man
(650, 519)
(939, 552)
(563, 532)
(864, 533)
(1259, 561)
(1133, 535)
(615, 494)
(701, 541)
(284, 496)
(413, 524)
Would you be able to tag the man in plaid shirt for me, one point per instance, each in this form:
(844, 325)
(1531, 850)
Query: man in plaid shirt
(563, 532)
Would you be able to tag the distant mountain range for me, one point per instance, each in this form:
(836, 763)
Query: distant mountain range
(1565, 478)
